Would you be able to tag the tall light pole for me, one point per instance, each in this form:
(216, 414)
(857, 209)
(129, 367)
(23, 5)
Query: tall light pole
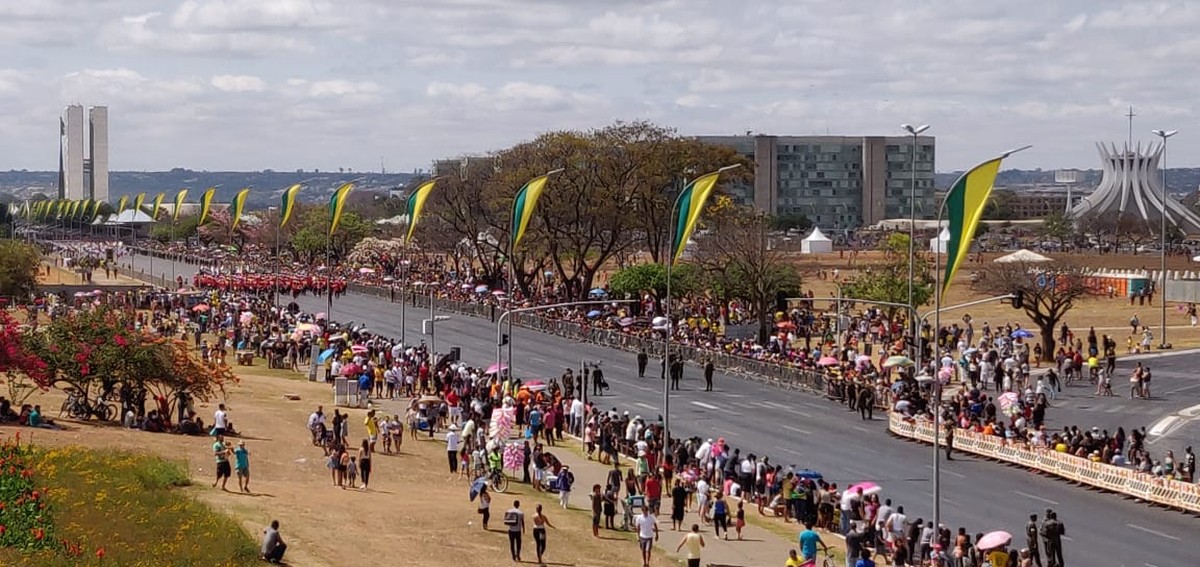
(912, 224)
(1162, 252)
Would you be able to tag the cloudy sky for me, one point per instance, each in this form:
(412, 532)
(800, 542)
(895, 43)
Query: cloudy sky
(285, 84)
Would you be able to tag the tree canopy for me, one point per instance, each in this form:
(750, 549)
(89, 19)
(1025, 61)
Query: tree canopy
(1049, 291)
(18, 268)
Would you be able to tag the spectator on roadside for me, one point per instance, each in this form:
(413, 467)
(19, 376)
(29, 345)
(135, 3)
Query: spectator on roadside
(273, 546)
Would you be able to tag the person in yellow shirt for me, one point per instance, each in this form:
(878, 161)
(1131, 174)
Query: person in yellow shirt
(793, 559)
(372, 429)
(378, 374)
(998, 557)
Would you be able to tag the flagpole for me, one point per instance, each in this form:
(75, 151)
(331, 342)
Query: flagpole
(936, 402)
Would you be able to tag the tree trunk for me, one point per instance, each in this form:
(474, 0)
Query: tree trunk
(1047, 331)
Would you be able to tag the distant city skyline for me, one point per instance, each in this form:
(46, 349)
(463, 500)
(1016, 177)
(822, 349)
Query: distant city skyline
(287, 84)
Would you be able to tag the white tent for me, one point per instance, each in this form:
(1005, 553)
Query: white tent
(130, 216)
(815, 243)
(940, 244)
(1021, 256)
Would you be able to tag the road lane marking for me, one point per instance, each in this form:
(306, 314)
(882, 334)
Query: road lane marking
(1164, 425)
(1154, 532)
(860, 428)
(705, 406)
(647, 406)
(951, 473)
(944, 499)
(860, 474)
(783, 449)
(797, 430)
(1035, 497)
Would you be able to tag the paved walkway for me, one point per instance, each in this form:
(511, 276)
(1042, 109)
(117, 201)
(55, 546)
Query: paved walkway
(61, 275)
(759, 548)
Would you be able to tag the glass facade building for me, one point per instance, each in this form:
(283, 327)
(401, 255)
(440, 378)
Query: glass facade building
(838, 182)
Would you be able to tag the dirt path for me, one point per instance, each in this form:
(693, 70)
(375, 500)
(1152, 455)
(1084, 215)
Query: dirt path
(415, 514)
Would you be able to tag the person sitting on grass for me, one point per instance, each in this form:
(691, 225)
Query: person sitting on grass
(35, 419)
(273, 546)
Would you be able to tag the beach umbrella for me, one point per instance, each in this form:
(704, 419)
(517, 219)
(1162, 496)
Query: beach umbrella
(496, 367)
(481, 289)
(593, 314)
(868, 488)
(827, 361)
(325, 354)
(897, 360)
(1020, 334)
(992, 540)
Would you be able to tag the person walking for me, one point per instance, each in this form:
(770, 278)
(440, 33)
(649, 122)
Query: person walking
(566, 479)
(720, 516)
(221, 454)
(694, 542)
(241, 465)
(514, 519)
(647, 527)
(453, 442)
(485, 504)
(642, 360)
(364, 464)
(220, 421)
(273, 547)
(708, 375)
(540, 523)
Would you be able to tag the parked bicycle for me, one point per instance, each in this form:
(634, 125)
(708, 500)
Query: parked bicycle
(77, 406)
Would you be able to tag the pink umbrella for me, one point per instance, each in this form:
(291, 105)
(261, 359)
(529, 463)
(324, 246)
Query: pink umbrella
(992, 540)
(496, 367)
(350, 370)
(1008, 399)
(498, 293)
(868, 488)
(827, 361)
(358, 349)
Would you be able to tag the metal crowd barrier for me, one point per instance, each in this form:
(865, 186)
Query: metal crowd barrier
(1121, 480)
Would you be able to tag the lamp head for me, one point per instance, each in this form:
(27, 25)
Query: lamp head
(914, 130)
(1164, 134)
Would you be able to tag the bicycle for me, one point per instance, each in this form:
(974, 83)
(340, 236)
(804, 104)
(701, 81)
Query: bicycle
(497, 480)
(78, 407)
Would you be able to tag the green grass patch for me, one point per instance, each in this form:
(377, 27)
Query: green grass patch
(119, 508)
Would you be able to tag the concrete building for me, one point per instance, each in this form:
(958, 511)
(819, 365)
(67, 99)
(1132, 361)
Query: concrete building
(83, 174)
(1131, 187)
(838, 182)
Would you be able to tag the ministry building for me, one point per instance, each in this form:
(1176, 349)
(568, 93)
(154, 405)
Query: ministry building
(838, 182)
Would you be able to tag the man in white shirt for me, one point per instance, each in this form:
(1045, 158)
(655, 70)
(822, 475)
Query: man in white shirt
(849, 501)
(220, 420)
(577, 410)
(452, 445)
(882, 516)
(314, 424)
(895, 524)
(647, 526)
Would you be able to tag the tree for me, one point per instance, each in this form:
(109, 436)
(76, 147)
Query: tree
(791, 221)
(19, 263)
(1000, 205)
(740, 262)
(888, 281)
(629, 283)
(1058, 228)
(167, 230)
(1049, 291)
(251, 230)
(308, 234)
(23, 372)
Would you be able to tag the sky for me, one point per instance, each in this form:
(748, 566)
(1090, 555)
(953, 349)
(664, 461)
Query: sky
(287, 84)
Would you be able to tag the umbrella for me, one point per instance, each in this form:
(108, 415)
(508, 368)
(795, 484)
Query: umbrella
(809, 474)
(418, 283)
(358, 349)
(465, 286)
(1019, 334)
(992, 540)
(659, 322)
(201, 308)
(535, 385)
(593, 314)
(625, 321)
(499, 293)
(477, 487)
(496, 367)
(923, 378)
(322, 316)
(429, 400)
(1007, 400)
(481, 289)
(785, 325)
(862, 358)
(307, 327)
(598, 293)
(827, 361)
(366, 270)
(868, 488)
(388, 279)
(325, 354)
(351, 369)
(897, 360)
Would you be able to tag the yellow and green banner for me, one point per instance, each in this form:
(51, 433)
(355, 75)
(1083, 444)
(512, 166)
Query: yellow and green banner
(416, 204)
(524, 205)
(689, 207)
(239, 204)
(158, 199)
(206, 204)
(95, 210)
(337, 205)
(138, 202)
(964, 204)
(287, 204)
(121, 204)
(179, 197)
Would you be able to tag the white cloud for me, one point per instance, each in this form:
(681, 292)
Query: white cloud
(238, 83)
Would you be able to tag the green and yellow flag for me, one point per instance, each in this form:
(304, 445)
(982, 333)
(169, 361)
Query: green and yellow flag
(74, 206)
(121, 204)
(96, 209)
(287, 204)
(239, 204)
(690, 205)
(138, 202)
(158, 199)
(179, 197)
(337, 204)
(206, 203)
(62, 207)
(964, 204)
(416, 204)
(524, 205)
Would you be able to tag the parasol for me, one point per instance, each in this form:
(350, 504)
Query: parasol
(827, 361)
(1019, 334)
(593, 314)
(477, 487)
(499, 293)
(325, 354)
(429, 400)
(809, 474)
(481, 289)
(992, 540)
(358, 349)
(365, 271)
(625, 321)
(1009, 403)
(868, 488)
(201, 308)
(598, 292)
(897, 360)
(496, 367)
(535, 385)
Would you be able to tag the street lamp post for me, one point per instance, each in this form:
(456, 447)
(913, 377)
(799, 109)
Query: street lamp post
(1162, 252)
(912, 223)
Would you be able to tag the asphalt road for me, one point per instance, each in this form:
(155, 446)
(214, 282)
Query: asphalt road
(808, 431)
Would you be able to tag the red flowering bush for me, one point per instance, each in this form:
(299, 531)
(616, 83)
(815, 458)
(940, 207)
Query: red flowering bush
(25, 522)
(21, 369)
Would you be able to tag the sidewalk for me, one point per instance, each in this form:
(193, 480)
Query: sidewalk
(759, 548)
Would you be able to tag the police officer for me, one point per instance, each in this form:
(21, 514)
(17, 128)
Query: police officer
(642, 360)
(1031, 540)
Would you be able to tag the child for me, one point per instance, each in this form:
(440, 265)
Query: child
(739, 520)
(351, 471)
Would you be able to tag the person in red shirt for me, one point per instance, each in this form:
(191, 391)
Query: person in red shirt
(654, 492)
